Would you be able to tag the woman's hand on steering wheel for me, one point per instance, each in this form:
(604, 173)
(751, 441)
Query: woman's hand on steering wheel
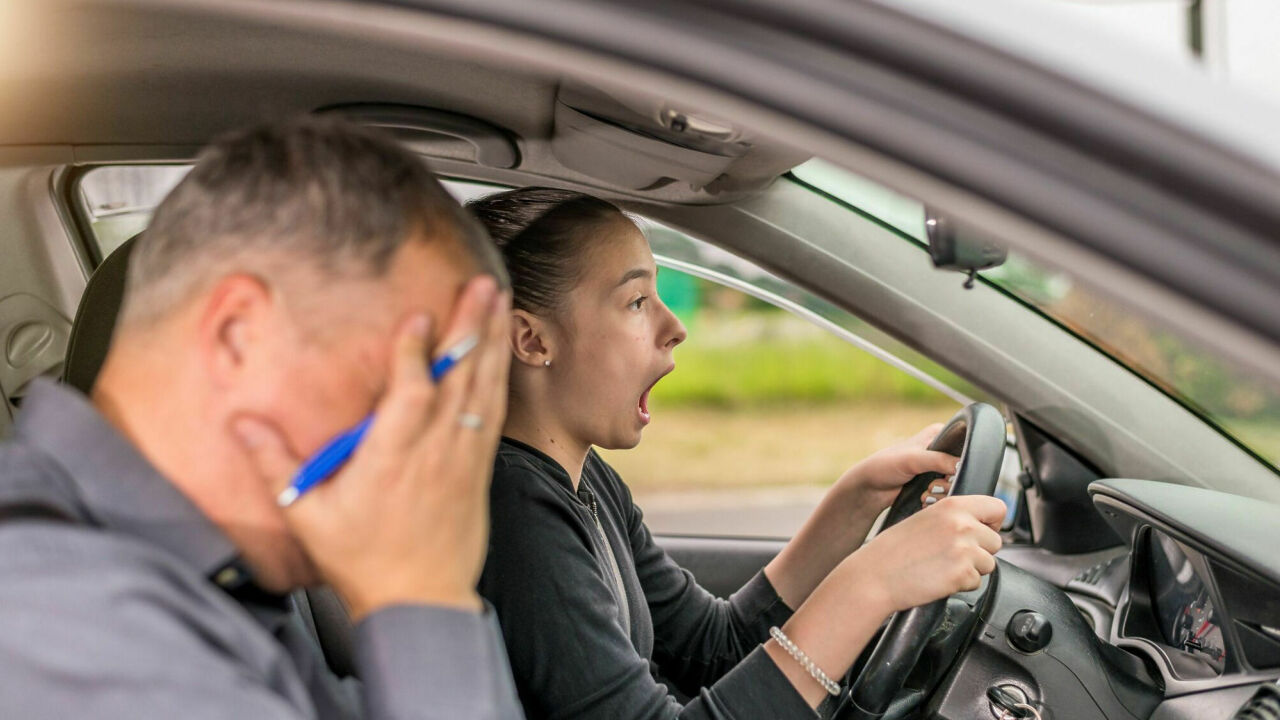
(935, 553)
(876, 480)
(941, 550)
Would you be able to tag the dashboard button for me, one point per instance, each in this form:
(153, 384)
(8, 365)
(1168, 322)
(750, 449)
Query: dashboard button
(1029, 631)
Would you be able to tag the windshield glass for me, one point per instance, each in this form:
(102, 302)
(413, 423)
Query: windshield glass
(1240, 405)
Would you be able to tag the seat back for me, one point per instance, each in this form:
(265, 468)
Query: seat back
(95, 320)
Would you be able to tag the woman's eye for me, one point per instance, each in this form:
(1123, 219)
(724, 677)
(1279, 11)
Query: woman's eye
(637, 303)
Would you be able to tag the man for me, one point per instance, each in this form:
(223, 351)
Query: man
(298, 279)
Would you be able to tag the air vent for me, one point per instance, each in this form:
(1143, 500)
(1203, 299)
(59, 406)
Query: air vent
(1103, 581)
(1265, 705)
(1094, 573)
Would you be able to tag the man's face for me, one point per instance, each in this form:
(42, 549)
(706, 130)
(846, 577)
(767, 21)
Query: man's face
(325, 363)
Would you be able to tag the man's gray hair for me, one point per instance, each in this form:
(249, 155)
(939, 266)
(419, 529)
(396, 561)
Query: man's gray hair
(309, 191)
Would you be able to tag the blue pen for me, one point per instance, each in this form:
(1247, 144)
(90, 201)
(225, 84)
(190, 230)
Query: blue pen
(337, 451)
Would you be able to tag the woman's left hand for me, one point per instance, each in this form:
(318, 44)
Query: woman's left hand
(877, 480)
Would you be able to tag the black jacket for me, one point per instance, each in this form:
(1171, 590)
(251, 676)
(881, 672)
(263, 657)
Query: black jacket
(576, 650)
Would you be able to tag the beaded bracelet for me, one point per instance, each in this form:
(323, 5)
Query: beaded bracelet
(823, 679)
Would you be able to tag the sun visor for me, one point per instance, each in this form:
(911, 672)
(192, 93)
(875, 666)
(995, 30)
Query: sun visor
(640, 144)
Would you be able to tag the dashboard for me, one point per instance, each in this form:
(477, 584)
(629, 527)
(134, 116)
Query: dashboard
(1201, 601)
(1182, 623)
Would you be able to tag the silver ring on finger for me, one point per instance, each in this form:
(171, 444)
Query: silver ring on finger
(470, 421)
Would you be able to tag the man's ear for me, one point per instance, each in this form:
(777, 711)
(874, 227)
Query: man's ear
(235, 318)
(529, 342)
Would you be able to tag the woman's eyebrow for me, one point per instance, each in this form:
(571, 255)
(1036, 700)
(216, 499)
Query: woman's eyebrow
(634, 273)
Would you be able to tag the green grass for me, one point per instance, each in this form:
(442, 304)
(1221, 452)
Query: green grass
(814, 370)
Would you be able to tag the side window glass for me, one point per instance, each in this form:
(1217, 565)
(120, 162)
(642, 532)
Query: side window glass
(117, 201)
(776, 393)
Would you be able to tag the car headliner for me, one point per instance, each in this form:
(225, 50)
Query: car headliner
(156, 83)
(1139, 205)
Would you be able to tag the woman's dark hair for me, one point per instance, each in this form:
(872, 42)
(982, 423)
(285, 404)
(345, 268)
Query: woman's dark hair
(543, 235)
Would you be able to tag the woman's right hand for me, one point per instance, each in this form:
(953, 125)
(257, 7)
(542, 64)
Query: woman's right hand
(943, 549)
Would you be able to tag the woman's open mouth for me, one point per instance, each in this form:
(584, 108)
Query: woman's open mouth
(643, 405)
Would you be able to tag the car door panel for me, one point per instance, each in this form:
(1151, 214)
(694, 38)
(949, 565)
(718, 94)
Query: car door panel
(721, 565)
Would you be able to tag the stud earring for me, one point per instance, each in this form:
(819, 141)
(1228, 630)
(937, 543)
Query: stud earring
(546, 363)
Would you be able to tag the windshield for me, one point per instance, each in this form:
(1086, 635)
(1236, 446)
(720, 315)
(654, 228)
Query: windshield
(1240, 405)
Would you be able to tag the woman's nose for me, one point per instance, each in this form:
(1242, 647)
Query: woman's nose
(677, 332)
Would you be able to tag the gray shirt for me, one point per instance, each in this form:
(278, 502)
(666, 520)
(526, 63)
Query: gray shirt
(120, 599)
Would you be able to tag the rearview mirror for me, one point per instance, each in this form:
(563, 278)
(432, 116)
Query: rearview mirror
(953, 248)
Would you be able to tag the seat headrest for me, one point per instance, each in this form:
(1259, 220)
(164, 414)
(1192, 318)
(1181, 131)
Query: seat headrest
(96, 319)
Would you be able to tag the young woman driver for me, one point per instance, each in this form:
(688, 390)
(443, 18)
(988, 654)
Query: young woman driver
(595, 615)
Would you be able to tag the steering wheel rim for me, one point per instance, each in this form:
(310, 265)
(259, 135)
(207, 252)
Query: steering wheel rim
(977, 435)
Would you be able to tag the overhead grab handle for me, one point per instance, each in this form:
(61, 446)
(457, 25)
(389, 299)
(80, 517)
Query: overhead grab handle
(494, 146)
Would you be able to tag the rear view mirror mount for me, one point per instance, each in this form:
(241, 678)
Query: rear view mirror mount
(954, 248)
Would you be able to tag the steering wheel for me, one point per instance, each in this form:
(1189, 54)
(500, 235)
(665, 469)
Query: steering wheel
(977, 435)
